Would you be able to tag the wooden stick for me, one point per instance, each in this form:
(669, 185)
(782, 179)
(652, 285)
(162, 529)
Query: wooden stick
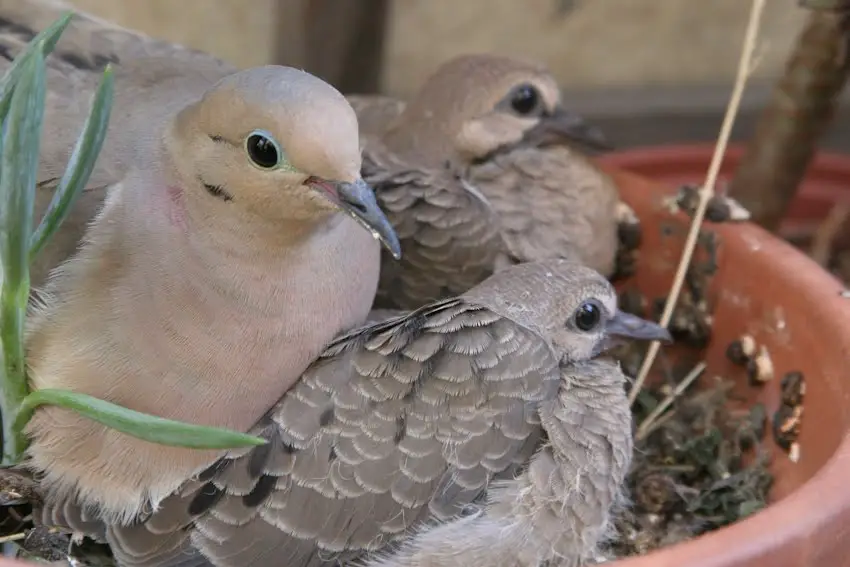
(646, 427)
(745, 65)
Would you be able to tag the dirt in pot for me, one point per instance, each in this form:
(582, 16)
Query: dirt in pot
(701, 467)
(701, 463)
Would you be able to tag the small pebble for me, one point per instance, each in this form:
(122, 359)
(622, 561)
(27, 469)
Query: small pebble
(719, 208)
(630, 236)
(725, 209)
(628, 227)
(786, 426)
(793, 421)
(688, 199)
(794, 452)
(793, 388)
(760, 368)
(741, 350)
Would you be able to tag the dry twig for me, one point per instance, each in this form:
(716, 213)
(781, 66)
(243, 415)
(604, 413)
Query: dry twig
(13, 537)
(745, 66)
(651, 420)
(825, 235)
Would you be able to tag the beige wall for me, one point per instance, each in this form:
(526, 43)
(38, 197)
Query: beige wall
(597, 43)
(239, 31)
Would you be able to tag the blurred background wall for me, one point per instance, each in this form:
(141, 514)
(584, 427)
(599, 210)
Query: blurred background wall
(587, 43)
(635, 63)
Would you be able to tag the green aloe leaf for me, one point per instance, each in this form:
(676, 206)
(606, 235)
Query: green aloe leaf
(22, 96)
(18, 169)
(80, 165)
(43, 44)
(140, 425)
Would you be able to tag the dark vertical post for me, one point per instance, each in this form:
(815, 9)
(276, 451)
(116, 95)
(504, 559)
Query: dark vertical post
(799, 111)
(341, 41)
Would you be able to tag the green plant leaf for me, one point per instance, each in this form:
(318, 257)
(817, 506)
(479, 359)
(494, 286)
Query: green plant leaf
(143, 426)
(43, 42)
(21, 133)
(18, 171)
(80, 165)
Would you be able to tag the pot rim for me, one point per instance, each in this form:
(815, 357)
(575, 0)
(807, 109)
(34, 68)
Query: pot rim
(642, 159)
(769, 531)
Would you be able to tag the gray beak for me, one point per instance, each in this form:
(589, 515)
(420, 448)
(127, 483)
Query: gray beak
(357, 199)
(564, 125)
(633, 327)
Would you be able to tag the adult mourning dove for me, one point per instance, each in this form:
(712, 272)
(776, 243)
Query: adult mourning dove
(395, 423)
(558, 511)
(479, 170)
(225, 258)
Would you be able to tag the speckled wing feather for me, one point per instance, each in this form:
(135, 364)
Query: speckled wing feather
(449, 234)
(89, 43)
(74, 68)
(398, 422)
(552, 202)
(380, 315)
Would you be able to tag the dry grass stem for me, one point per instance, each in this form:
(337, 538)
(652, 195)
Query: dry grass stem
(745, 67)
(824, 237)
(647, 426)
(13, 537)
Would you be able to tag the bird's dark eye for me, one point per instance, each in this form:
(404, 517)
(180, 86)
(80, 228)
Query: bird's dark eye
(263, 150)
(525, 100)
(588, 316)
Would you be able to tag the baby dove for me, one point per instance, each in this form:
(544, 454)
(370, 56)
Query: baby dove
(396, 423)
(558, 510)
(489, 128)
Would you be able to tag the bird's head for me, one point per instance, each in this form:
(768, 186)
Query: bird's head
(484, 103)
(280, 144)
(572, 306)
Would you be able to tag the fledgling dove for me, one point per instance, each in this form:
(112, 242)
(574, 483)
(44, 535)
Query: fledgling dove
(394, 424)
(558, 511)
(479, 170)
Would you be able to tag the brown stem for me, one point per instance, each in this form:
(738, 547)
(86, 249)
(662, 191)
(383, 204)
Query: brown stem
(826, 234)
(801, 108)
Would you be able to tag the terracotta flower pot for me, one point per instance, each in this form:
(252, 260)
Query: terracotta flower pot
(765, 287)
(827, 181)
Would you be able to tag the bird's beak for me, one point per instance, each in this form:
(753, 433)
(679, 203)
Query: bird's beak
(631, 326)
(563, 125)
(357, 199)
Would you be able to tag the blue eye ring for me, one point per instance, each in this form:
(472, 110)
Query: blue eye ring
(263, 150)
